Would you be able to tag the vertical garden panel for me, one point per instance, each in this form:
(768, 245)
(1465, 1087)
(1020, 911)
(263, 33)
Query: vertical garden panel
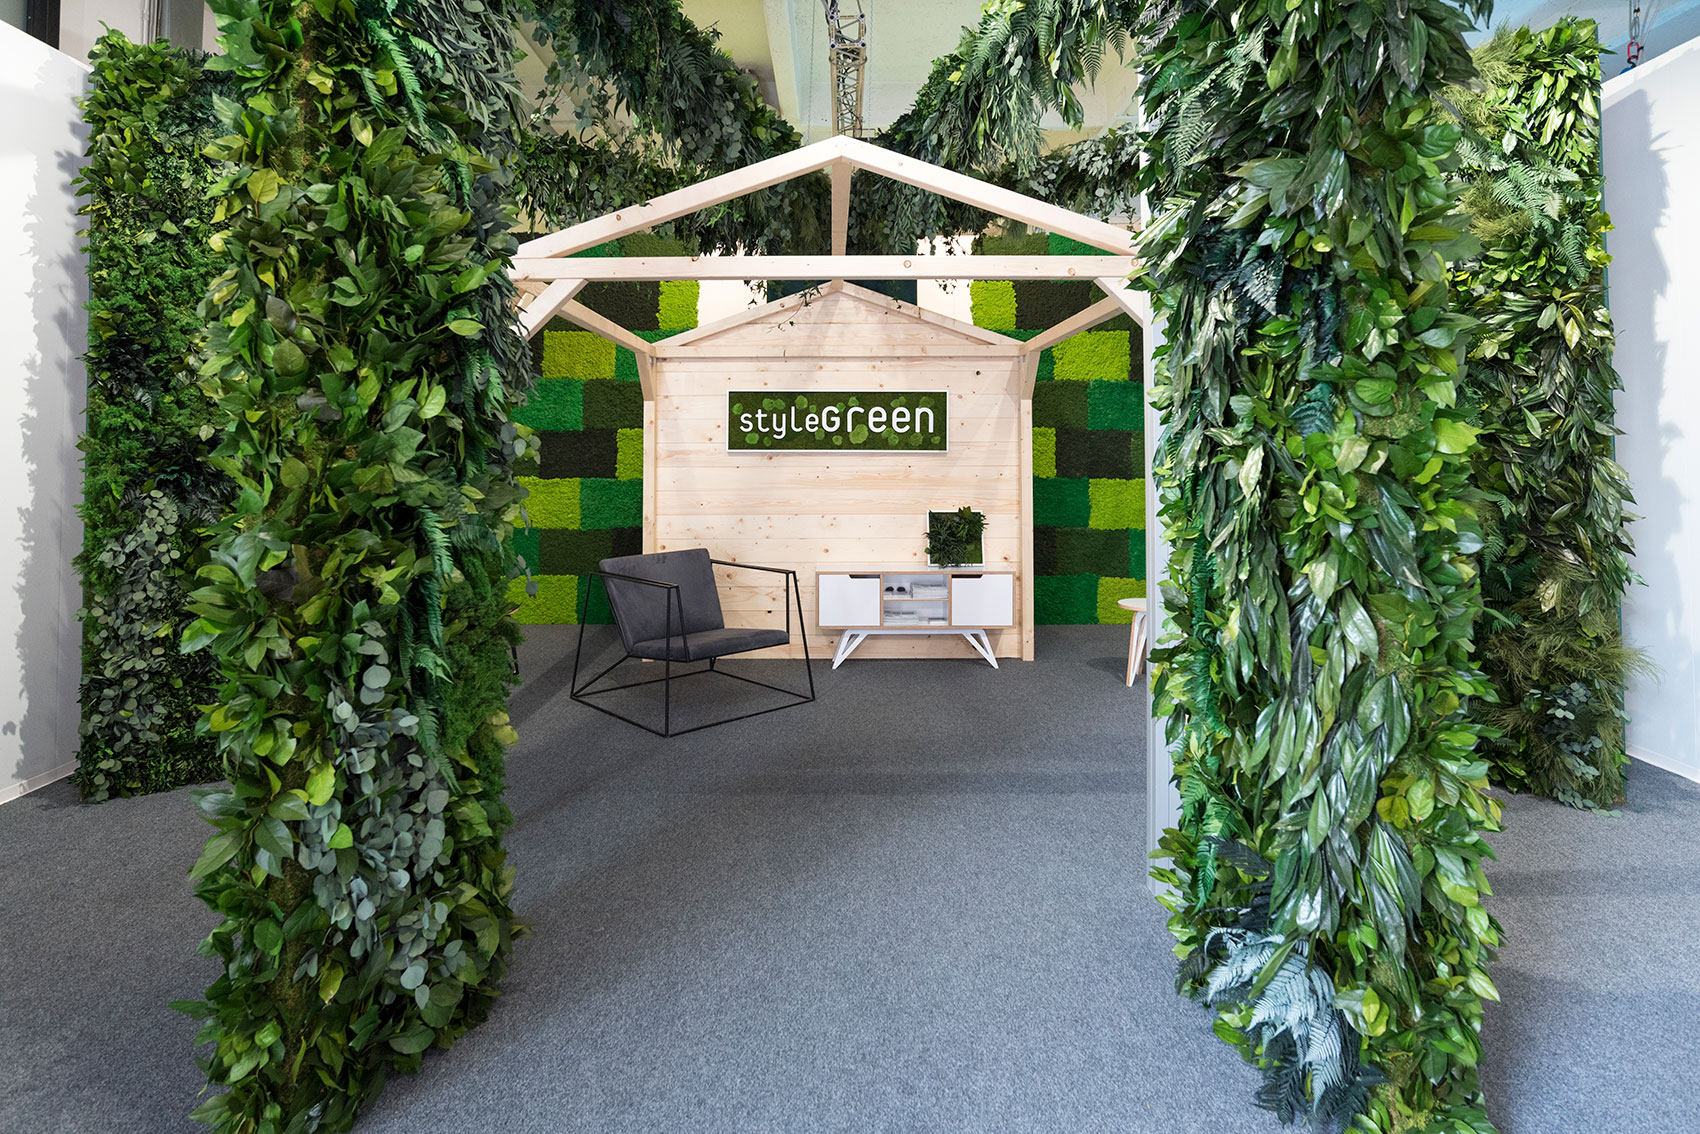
(1322, 592)
(1555, 565)
(363, 358)
(147, 487)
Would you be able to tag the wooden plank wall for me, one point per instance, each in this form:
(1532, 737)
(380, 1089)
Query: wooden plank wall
(838, 511)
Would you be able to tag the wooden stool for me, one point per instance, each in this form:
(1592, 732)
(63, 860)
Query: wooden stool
(1136, 641)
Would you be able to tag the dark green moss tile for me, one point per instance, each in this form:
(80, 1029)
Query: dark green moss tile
(1106, 453)
(1094, 551)
(613, 405)
(580, 453)
(1060, 406)
(1044, 550)
(572, 552)
(1045, 303)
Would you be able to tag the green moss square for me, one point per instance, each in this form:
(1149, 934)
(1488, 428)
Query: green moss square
(678, 308)
(598, 613)
(1136, 454)
(576, 453)
(1045, 303)
(1047, 370)
(1064, 246)
(1104, 453)
(555, 604)
(1118, 504)
(527, 546)
(577, 354)
(1061, 503)
(1094, 356)
(993, 304)
(555, 404)
(630, 303)
(1059, 405)
(1109, 591)
(613, 405)
(1115, 405)
(625, 365)
(551, 503)
(573, 552)
(610, 503)
(1044, 452)
(1027, 244)
(1065, 600)
(629, 463)
(1091, 551)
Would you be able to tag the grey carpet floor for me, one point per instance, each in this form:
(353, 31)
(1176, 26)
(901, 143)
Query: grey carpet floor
(915, 905)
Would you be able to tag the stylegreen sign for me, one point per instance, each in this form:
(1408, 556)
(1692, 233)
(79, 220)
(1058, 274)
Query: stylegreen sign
(878, 421)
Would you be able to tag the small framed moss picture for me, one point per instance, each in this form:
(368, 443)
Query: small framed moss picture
(956, 539)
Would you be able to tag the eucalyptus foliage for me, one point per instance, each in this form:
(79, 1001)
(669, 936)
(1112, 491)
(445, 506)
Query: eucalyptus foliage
(1322, 591)
(362, 358)
(147, 488)
(1555, 564)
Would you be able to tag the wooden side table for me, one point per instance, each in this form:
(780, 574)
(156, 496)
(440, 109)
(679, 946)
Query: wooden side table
(1136, 641)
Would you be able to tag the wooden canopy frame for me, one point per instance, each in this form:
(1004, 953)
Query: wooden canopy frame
(548, 280)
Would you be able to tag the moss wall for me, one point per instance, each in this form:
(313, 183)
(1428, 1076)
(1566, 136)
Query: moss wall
(586, 500)
(1088, 441)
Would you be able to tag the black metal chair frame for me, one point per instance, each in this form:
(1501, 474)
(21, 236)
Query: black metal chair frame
(582, 693)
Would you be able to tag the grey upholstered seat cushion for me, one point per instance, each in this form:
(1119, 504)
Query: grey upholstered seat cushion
(700, 646)
(643, 612)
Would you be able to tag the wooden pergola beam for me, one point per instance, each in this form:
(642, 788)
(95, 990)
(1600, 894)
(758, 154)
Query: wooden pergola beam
(823, 268)
(547, 303)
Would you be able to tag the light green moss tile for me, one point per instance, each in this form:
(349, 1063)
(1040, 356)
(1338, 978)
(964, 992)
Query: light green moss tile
(1118, 504)
(678, 309)
(628, 460)
(993, 304)
(1110, 591)
(552, 503)
(1101, 356)
(555, 604)
(577, 354)
(1044, 452)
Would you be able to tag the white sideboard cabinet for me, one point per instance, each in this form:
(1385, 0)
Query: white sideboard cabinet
(965, 601)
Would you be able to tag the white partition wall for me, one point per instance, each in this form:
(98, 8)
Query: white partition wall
(43, 286)
(1651, 129)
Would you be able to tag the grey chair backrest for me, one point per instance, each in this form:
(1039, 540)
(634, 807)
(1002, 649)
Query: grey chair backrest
(641, 611)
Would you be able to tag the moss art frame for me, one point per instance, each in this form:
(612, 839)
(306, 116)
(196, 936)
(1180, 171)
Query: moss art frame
(956, 538)
(825, 421)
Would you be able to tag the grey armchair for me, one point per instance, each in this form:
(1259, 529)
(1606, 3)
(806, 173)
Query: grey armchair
(667, 609)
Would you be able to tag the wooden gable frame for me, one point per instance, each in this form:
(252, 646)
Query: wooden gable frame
(548, 280)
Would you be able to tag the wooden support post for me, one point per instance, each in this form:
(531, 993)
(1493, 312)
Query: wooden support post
(841, 173)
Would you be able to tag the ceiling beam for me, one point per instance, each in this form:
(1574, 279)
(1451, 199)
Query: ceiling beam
(824, 268)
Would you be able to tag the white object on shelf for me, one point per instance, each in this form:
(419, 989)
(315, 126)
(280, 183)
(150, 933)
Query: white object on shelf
(964, 602)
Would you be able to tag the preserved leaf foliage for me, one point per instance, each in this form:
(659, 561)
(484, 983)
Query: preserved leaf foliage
(1323, 588)
(1555, 563)
(363, 361)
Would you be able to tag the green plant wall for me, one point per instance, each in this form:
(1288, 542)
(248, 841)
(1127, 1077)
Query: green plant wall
(364, 362)
(1323, 590)
(1555, 565)
(1088, 440)
(586, 483)
(147, 486)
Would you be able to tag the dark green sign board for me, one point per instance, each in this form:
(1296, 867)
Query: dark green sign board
(880, 421)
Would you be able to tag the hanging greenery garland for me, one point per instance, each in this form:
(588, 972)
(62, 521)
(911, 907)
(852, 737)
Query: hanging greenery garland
(1322, 591)
(1555, 565)
(147, 487)
(363, 361)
